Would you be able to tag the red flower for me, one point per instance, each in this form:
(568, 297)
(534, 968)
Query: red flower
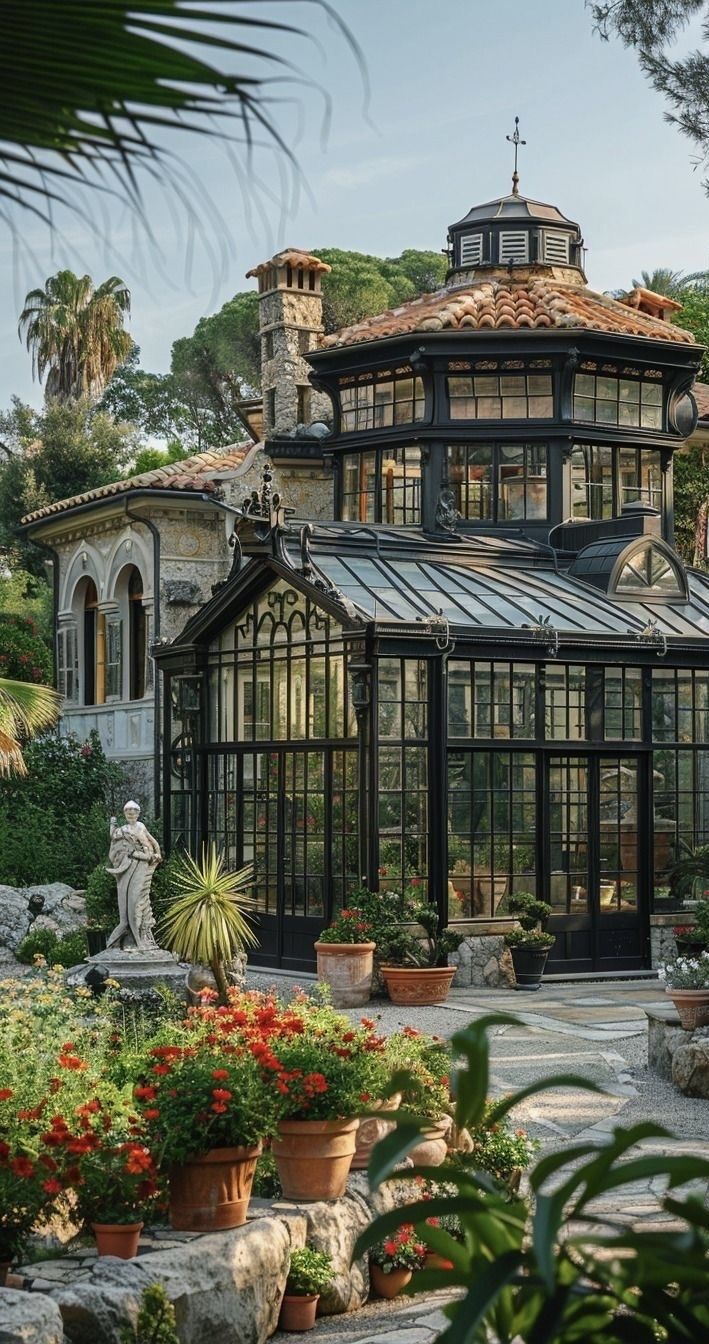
(152, 1113)
(4, 1150)
(410, 1031)
(5, 1093)
(71, 1062)
(221, 1094)
(52, 1186)
(391, 1247)
(161, 1068)
(21, 1166)
(218, 1107)
(138, 1159)
(218, 1074)
(145, 1093)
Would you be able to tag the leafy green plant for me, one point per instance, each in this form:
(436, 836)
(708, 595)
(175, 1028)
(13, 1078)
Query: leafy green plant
(689, 871)
(67, 950)
(417, 1066)
(156, 1323)
(388, 912)
(349, 926)
(686, 972)
(532, 915)
(24, 655)
(207, 923)
(309, 1272)
(403, 1249)
(267, 1184)
(552, 1269)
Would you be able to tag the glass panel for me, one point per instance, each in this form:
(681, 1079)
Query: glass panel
(568, 836)
(511, 397)
(564, 702)
(401, 485)
(358, 487)
(491, 830)
(613, 401)
(618, 835)
(470, 475)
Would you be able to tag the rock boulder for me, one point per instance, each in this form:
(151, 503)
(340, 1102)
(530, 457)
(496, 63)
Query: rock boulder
(54, 906)
(29, 1318)
(690, 1069)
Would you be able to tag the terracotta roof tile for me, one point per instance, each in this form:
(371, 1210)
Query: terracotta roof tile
(536, 303)
(291, 256)
(700, 392)
(192, 473)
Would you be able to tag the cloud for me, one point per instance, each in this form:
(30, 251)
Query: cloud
(371, 170)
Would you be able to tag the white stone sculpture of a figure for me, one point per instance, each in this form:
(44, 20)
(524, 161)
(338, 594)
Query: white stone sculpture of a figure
(134, 855)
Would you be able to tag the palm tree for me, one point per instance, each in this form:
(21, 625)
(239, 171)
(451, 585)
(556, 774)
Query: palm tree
(90, 87)
(671, 283)
(75, 332)
(25, 709)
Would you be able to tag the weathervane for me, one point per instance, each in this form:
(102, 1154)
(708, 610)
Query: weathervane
(516, 141)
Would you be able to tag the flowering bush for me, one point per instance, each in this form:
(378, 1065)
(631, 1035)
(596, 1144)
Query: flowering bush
(686, 972)
(403, 1250)
(350, 926)
(388, 912)
(426, 1063)
(29, 1184)
(104, 1160)
(500, 1149)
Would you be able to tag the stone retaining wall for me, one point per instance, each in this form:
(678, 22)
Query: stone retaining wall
(682, 1057)
(225, 1286)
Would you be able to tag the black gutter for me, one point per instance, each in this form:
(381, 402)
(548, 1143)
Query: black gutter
(148, 491)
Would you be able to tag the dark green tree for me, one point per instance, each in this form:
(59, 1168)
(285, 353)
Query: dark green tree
(53, 454)
(650, 27)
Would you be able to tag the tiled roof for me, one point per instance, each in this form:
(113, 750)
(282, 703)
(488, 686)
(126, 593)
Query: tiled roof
(533, 303)
(700, 392)
(292, 256)
(192, 473)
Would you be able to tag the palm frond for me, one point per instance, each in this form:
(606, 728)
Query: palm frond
(208, 921)
(12, 762)
(88, 85)
(25, 709)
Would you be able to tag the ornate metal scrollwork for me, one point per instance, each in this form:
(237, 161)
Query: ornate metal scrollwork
(447, 514)
(544, 631)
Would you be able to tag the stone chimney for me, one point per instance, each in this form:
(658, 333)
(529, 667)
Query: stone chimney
(290, 322)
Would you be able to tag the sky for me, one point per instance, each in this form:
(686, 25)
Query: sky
(396, 164)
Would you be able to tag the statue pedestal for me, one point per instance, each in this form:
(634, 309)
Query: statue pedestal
(134, 969)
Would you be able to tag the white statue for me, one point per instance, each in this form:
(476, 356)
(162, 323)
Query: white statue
(134, 855)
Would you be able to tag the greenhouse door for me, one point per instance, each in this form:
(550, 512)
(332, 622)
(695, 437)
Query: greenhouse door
(295, 818)
(595, 849)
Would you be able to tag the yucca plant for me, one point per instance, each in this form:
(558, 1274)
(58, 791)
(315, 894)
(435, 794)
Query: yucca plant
(25, 709)
(208, 923)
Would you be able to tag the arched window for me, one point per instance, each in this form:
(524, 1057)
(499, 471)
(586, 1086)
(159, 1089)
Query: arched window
(648, 569)
(93, 647)
(137, 641)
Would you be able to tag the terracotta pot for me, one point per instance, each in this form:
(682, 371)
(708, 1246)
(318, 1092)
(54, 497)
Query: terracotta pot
(314, 1157)
(692, 1006)
(372, 1130)
(119, 1239)
(347, 968)
(435, 1261)
(388, 1285)
(212, 1192)
(433, 1148)
(5, 1266)
(418, 984)
(298, 1313)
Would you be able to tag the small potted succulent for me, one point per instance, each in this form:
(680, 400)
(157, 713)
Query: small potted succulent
(309, 1274)
(530, 944)
(392, 1262)
(687, 984)
(345, 957)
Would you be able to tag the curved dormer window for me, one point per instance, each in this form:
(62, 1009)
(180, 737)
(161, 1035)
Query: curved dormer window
(648, 569)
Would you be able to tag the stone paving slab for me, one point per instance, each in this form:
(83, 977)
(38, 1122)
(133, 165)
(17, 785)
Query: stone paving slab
(404, 1320)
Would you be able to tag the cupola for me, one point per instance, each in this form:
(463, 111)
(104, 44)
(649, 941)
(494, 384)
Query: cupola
(512, 234)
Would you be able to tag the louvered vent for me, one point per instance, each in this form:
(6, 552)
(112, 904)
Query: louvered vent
(514, 246)
(556, 248)
(471, 249)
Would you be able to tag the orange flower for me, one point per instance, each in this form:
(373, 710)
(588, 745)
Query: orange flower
(145, 1093)
(152, 1113)
(218, 1107)
(218, 1074)
(138, 1160)
(221, 1094)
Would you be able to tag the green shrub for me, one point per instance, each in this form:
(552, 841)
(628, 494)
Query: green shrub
(156, 1323)
(267, 1183)
(54, 821)
(24, 655)
(309, 1272)
(68, 950)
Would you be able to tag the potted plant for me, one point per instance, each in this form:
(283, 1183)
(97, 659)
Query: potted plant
(309, 1273)
(687, 983)
(413, 952)
(112, 1175)
(28, 1183)
(689, 940)
(529, 944)
(345, 958)
(392, 1262)
(207, 924)
(421, 1066)
(206, 1109)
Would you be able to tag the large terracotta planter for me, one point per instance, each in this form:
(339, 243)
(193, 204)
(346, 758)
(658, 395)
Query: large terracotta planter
(210, 1193)
(372, 1130)
(418, 985)
(298, 1313)
(314, 1157)
(692, 1006)
(119, 1239)
(347, 968)
(388, 1285)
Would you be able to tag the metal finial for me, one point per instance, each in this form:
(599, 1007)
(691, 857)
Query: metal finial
(516, 141)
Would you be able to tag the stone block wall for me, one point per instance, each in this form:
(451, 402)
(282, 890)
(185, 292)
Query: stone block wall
(482, 960)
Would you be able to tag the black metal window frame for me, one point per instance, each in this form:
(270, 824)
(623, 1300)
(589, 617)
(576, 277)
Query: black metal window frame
(491, 494)
(360, 410)
(390, 498)
(592, 391)
(602, 465)
(471, 404)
